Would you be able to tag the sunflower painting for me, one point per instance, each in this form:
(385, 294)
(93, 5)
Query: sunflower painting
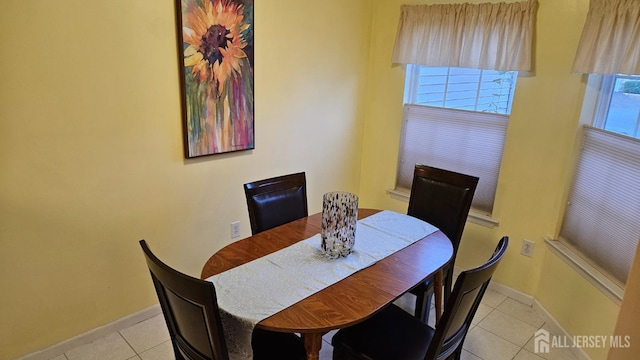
(216, 53)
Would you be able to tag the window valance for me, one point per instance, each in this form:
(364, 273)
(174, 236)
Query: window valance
(495, 36)
(610, 42)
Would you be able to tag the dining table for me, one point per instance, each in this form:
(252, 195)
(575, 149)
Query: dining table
(348, 301)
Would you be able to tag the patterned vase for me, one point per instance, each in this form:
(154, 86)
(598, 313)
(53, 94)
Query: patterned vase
(339, 216)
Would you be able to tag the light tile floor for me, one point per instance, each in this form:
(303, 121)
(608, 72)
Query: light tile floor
(503, 328)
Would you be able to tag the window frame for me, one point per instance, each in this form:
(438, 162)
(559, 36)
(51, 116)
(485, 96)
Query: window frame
(604, 105)
(596, 102)
(410, 88)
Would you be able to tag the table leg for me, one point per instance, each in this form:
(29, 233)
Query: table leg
(437, 284)
(312, 343)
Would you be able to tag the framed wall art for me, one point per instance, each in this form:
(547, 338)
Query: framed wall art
(215, 42)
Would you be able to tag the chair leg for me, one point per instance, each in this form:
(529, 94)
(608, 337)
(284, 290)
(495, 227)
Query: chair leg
(423, 304)
(420, 305)
(437, 284)
(427, 308)
(448, 284)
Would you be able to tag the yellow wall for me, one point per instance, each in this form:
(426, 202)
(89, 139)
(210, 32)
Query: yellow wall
(627, 325)
(578, 307)
(91, 155)
(535, 169)
(91, 152)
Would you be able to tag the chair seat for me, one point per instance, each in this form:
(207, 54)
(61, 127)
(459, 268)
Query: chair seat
(268, 345)
(390, 334)
(394, 334)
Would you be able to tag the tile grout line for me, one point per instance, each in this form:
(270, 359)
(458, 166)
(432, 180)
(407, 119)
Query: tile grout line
(153, 347)
(128, 344)
(478, 325)
(521, 347)
(326, 342)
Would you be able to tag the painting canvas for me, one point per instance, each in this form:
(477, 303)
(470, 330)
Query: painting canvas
(215, 41)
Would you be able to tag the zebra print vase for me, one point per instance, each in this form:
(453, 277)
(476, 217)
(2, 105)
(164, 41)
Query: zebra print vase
(339, 216)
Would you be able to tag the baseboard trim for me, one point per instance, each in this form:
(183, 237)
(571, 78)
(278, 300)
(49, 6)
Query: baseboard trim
(502, 289)
(555, 326)
(154, 310)
(512, 293)
(549, 320)
(93, 335)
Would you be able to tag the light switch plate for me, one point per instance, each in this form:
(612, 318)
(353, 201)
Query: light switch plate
(235, 229)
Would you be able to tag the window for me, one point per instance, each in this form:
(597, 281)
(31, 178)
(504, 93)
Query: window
(460, 88)
(601, 220)
(619, 106)
(456, 119)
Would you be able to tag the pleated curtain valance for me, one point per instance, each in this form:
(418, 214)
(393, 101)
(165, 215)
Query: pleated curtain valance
(610, 42)
(495, 36)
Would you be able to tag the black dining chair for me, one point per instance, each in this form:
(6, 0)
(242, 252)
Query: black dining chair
(443, 199)
(276, 201)
(392, 333)
(192, 315)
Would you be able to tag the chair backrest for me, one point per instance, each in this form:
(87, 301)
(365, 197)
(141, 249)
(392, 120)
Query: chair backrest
(443, 199)
(191, 311)
(467, 293)
(276, 201)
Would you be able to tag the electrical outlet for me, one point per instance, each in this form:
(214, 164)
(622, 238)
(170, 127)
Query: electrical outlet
(235, 229)
(527, 248)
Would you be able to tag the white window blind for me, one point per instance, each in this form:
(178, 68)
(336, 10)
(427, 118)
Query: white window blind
(463, 141)
(602, 219)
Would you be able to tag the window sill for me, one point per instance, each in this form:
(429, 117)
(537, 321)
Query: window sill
(474, 216)
(588, 271)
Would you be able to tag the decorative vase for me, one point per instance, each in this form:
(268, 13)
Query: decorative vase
(339, 216)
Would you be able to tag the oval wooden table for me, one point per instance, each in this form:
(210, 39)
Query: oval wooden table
(348, 301)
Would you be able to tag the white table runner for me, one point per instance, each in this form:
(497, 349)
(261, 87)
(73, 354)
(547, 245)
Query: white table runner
(258, 289)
